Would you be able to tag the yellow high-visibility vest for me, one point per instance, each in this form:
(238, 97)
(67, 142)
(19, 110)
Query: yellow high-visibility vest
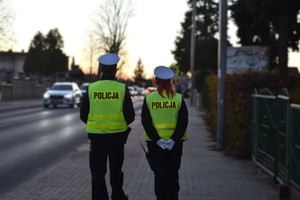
(106, 107)
(164, 114)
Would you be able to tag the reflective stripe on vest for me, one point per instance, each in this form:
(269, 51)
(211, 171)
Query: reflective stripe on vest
(164, 114)
(106, 107)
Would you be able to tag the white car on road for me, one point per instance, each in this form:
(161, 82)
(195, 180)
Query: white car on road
(63, 93)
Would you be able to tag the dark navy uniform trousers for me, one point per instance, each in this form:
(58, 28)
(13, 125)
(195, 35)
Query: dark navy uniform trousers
(100, 151)
(166, 164)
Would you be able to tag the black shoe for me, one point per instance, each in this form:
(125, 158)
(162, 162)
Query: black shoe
(124, 198)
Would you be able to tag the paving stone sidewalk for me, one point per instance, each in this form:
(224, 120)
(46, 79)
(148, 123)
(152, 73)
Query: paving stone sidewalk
(205, 174)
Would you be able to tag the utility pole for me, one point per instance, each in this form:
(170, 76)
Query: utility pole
(192, 58)
(91, 51)
(222, 73)
(91, 60)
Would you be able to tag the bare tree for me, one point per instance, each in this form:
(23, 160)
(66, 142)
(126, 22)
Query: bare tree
(7, 17)
(110, 28)
(111, 25)
(91, 53)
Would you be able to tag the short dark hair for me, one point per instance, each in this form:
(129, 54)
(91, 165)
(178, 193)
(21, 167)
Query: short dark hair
(108, 68)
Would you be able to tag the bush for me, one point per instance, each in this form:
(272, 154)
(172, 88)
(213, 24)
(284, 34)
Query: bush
(294, 91)
(239, 88)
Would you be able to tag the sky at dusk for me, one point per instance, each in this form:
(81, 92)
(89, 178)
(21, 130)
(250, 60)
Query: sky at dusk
(150, 36)
(151, 31)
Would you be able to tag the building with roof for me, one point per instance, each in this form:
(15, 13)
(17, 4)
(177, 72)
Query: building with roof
(11, 65)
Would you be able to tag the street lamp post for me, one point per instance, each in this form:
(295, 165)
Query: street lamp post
(192, 58)
(222, 73)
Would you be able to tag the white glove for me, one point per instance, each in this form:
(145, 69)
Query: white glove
(161, 143)
(170, 144)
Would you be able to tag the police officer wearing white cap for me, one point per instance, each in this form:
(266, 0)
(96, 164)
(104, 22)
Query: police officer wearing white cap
(107, 110)
(165, 119)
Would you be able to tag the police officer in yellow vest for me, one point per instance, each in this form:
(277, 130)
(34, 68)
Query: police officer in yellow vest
(165, 119)
(107, 110)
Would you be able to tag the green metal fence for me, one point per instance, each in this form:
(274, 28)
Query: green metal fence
(275, 128)
(263, 129)
(295, 146)
(282, 108)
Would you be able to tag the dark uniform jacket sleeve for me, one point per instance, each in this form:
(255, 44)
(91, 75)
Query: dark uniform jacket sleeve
(147, 123)
(181, 125)
(128, 110)
(85, 107)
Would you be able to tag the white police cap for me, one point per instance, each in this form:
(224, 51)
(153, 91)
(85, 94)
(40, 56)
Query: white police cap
(163, 73)
(109, 59)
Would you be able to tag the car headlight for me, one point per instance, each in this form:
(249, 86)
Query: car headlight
(46, 95)
(68, 96)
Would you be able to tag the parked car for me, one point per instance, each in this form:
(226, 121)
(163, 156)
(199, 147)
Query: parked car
(132, 90)
(83, 88)
(63, 93)
(140, 91)
(150, 89)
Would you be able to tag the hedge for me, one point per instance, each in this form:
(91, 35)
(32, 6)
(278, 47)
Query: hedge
(239, 88)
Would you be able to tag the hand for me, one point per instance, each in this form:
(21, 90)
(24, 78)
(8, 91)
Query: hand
(170, 144)
(161, 143)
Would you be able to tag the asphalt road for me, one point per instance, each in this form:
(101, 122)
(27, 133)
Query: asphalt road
(34, 139)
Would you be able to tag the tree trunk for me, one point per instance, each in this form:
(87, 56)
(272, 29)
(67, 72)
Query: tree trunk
(284, 8)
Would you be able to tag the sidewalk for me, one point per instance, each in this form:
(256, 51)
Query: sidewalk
(16, 104)
(205, 174)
